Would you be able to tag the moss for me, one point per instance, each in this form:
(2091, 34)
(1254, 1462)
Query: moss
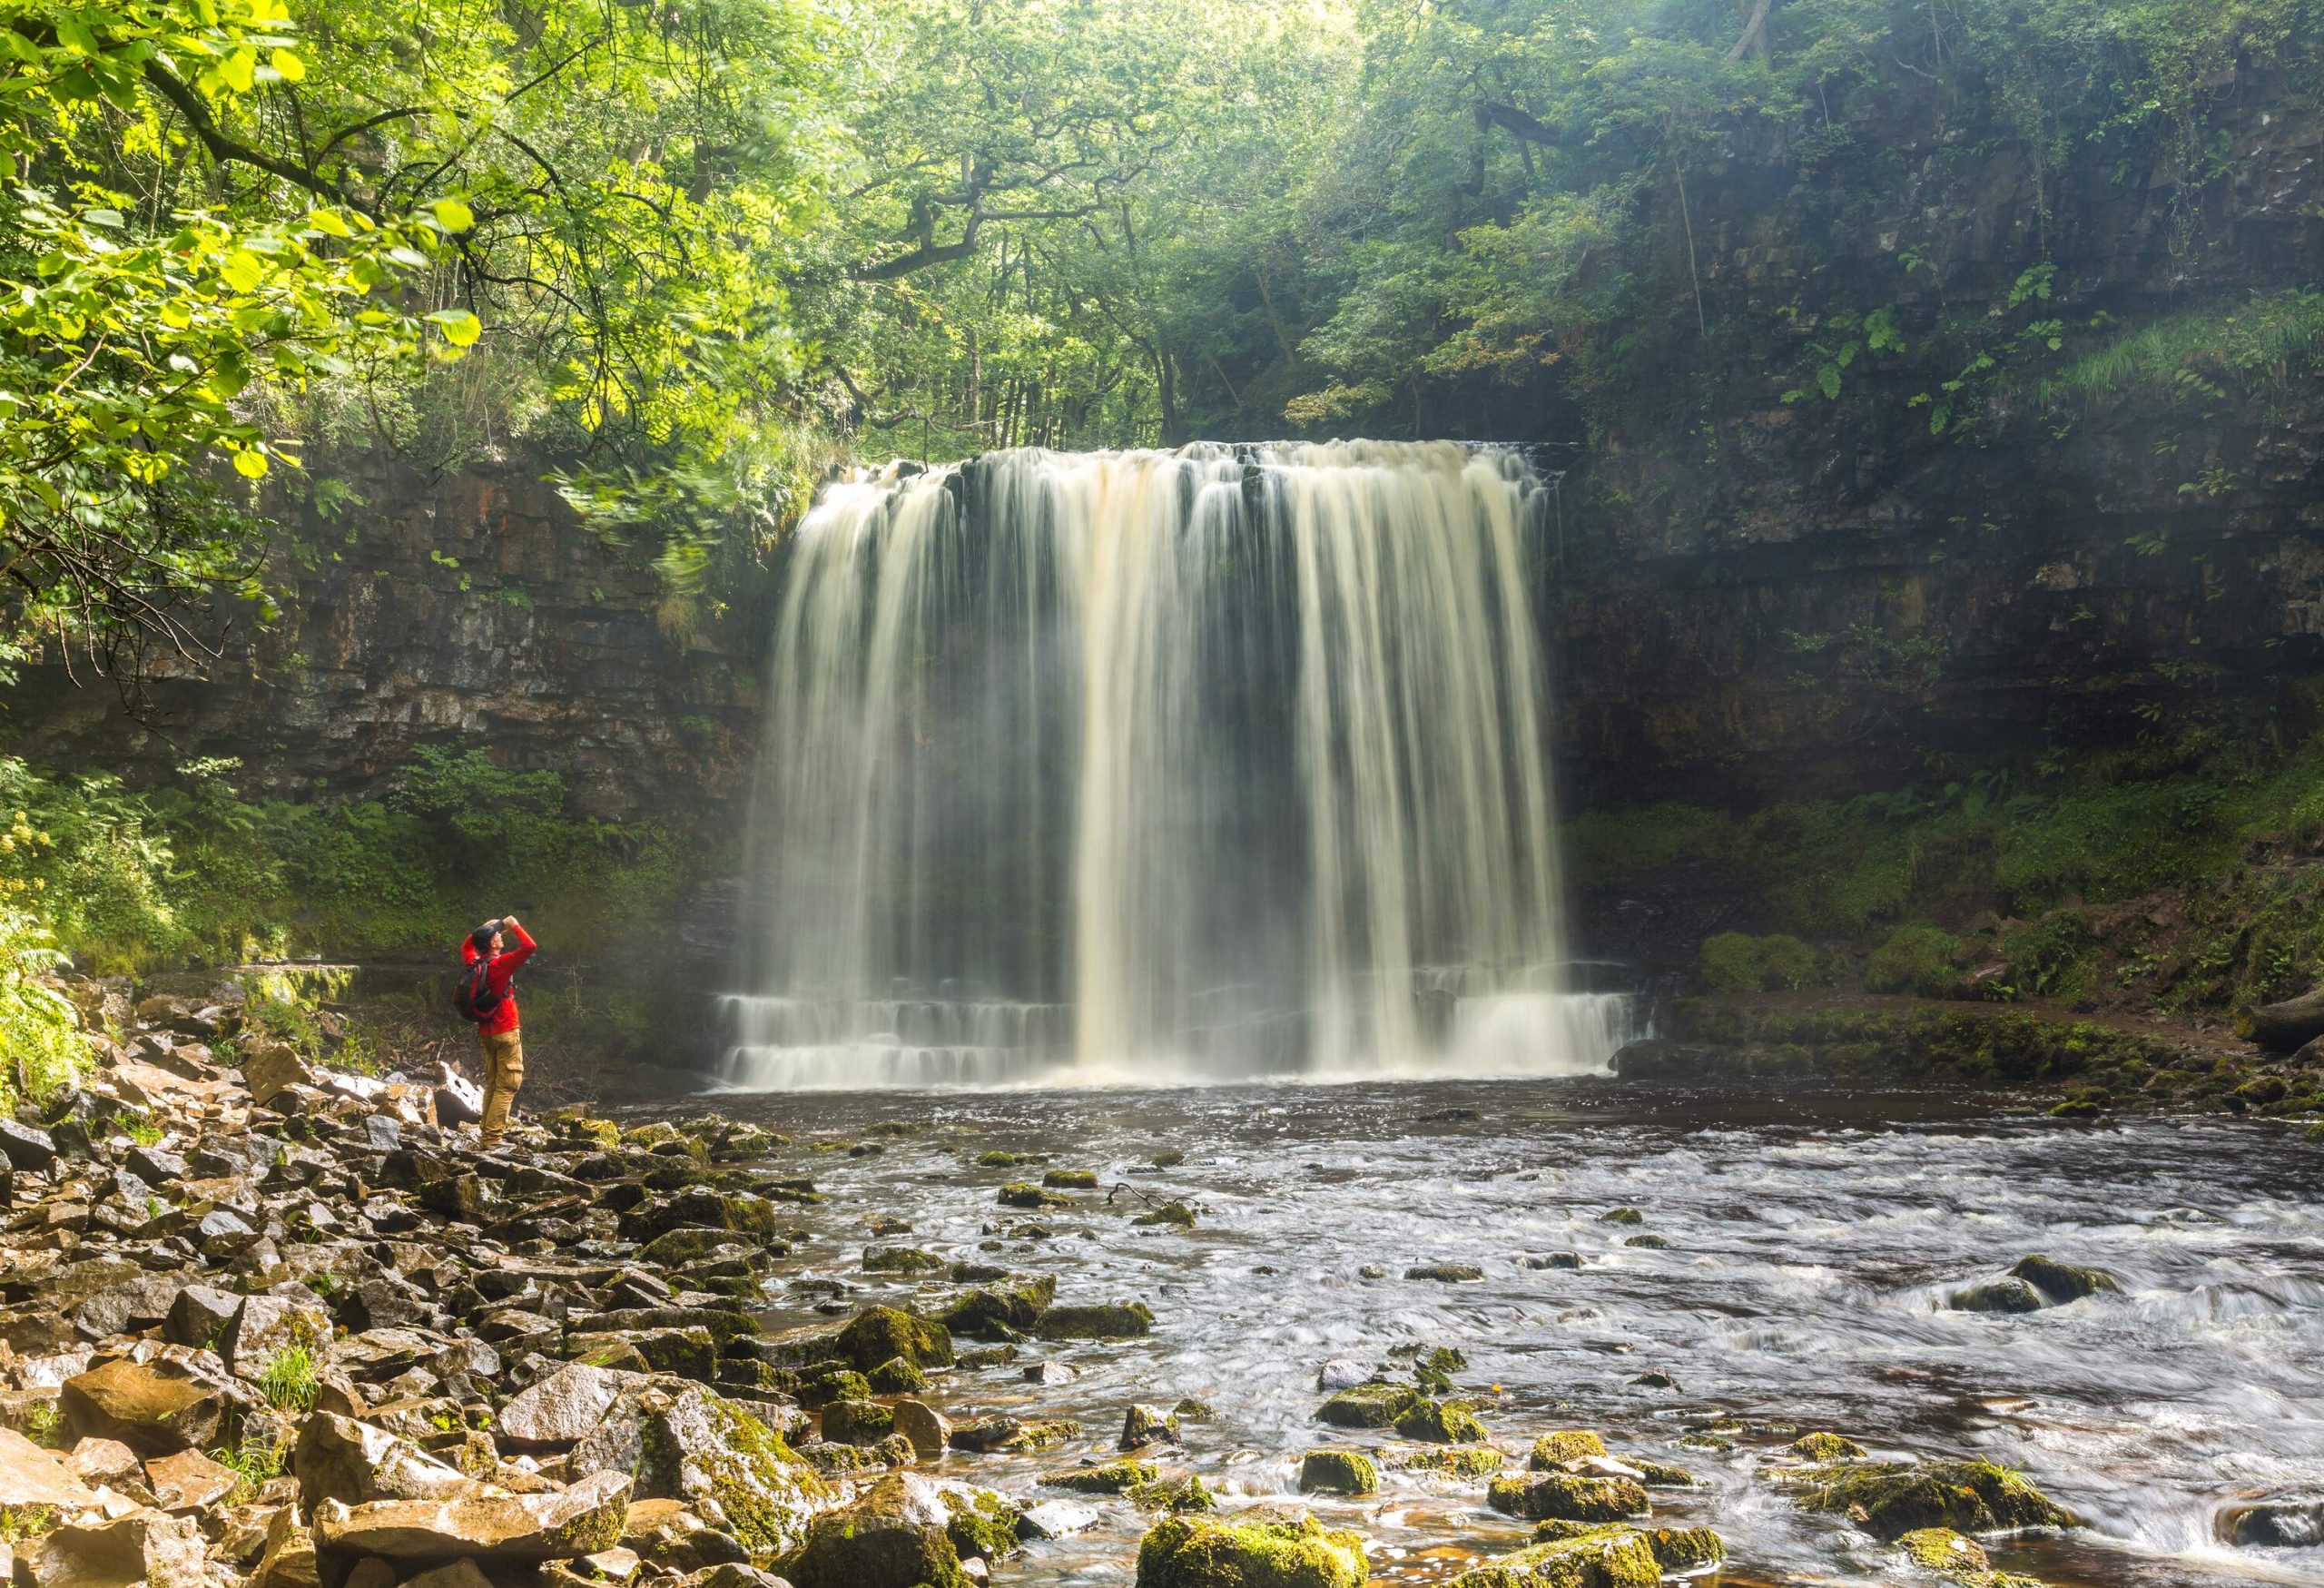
(1567, 1497)
(902, 1260)
(1734, 962)
(1825, 1446)
(1338, 1471)
(1917, 960)
(983, 1523)
(1597, 1557)
(1649, 1242)
(897, 1376)
(19, 1523)
(1656, 1475)
(1174, 1214)
(1552, 1451)
(826, 1385)
(996, 1158)
(1186, 1492)
(1070, 1179)
(1002, 1435)
(1463, 1461)
(1186, 1552)
(1369, 1405)
(1684, 1549)
(1441, 1422)
(1621, 1216)
(880, 1333)
(1890, 1500)
(1115, 1477)
(1000, 1311)
(1025, 1194)
(762, 1488)
(1113, 1320)
(858, 1422)
(2007, 1296)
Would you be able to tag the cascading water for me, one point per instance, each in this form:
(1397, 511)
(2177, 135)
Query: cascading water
(1223, 762)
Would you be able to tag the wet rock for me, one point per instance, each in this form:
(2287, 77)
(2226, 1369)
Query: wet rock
(560, 1409)
(1171, 1215)
(1000, 1311)
(1056, 1519)
(2063, 1282)
(142, 1546)
(1446, 1273)
(1889, 1500)
(857, 1422)
(1596, 1557)
(896, 1377)
(1621, 1216)
(1145, 1425)
(1116, 1320)
(1825, 1446)
(2010, 1295)
(1070, 1179)
(1567, 1497)
(1113, 1477)
(156, 1408)
(1949, 1554)
(1197, 1551)
(1684, 1549)
(1656, 1475)
(489, 1529)
(1339, 1373)
(689, 1353)
(1180, 1494)
(1552, 1260)
(1554, 1451)
(1001, 1434)
(1025, 1194)
(1337, 1472)
(1371, 1404)
(880, 1333)
(902, 1260)
(900, 1535)
(2273, 1524)
(927, 1430)
(339, 1458)
(726, 1465)
(1438, 1422)
(1464, 1461)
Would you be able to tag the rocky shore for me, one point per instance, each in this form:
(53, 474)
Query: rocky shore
(273, 1325)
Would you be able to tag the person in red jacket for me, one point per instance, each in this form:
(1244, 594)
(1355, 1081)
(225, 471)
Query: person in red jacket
(493, 1009)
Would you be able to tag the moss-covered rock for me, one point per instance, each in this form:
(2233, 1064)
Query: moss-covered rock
(897, 1535)
(897, 1376)
(1446, 1273)
(1463, 1461)
(1000, 1311)
(1180, 1493)
(1435, 1421)
(1825, 1446)
(1658, 1474)
(1945, 1554)
(1597, 1557)
(1621, 1216)
(982, 1524)
(1070, 1179)
(1338, 1471)
(1111, 1320)
(1553, 1450)
(880, 1333)
(1005, 1435)
(1197, 1551)
(2009, 1295)
(1890, 1499)
(858, 1422)
(1174, 1215)
(1684, 1549)
(727, 1467)
(1113, 1477)
(901, 1259)
(822, 1385)
(1567, 1497)
(1025, 1194)
(2063, 1282)
(1377, 1405)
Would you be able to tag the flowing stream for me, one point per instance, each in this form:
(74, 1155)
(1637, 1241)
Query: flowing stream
(1811, 1245)
(1222, 762)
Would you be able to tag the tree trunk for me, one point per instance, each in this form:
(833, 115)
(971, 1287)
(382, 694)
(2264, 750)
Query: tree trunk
(2287, 1025)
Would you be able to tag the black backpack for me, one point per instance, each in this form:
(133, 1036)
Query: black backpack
(470, 996)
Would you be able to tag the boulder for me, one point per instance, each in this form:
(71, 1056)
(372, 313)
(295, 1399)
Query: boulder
(1145, 1425)
(562, 1409)
(26, 1145)
(1434, 1422)
(1597, 1557)
(1113, 1320)
(855, 1422)
(289, 1560)
(271, 1068)
(339, 1458)
(1113, 1477)
(1891, 1499)
(30, 1476)
(143, 1546)
(1337, 1472)
(2063, 1282)
(1369, 1405)
(199, 1315)
(264, 1327)
(1555, 1450)
(2271, 1524)
(1567, 1497)
(907, 1531)
(880, 1333)
(155, 1408)
(189, 1481)
(729, 1467)
(2007, 1294)
(1199, 1552)
(489, 1529)
(997, 1311)
(927, 1428)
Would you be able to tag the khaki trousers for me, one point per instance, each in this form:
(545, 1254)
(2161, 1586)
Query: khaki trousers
(504, 1072)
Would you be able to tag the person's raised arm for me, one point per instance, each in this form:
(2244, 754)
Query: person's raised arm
(524, 944)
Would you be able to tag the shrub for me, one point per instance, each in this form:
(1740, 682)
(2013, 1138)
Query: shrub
(1914, 959)
(1735, 962)
(40, 1031)
(289, 1381)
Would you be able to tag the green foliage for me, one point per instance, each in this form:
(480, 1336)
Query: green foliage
(290, 1381)
(255, 1461)
(1914, 959)
(41, 1046)
(1735, 962)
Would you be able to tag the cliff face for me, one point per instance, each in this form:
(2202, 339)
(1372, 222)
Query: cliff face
(440, 610)
(1759, 598)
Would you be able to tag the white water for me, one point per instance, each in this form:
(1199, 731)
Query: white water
(1214, 763)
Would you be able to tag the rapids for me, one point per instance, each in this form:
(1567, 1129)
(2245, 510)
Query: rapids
(1812, 1242)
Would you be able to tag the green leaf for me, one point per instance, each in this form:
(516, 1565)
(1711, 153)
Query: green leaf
(289, 67)
(1828, 379)
(453, 215)
(459, 326)
(250, 463)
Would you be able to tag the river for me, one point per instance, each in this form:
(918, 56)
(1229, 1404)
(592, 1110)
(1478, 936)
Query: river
(1812, 1242)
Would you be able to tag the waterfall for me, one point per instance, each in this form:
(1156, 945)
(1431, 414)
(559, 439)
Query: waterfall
(1218, 763)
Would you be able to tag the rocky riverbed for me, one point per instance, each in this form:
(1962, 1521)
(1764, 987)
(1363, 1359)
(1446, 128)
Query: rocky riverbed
(269, 1323)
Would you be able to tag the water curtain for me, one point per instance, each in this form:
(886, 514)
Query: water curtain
(1219, 763)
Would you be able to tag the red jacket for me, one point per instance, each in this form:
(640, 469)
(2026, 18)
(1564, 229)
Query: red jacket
(498, 973)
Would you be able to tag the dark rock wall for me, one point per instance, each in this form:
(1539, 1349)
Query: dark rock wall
(448, 610)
